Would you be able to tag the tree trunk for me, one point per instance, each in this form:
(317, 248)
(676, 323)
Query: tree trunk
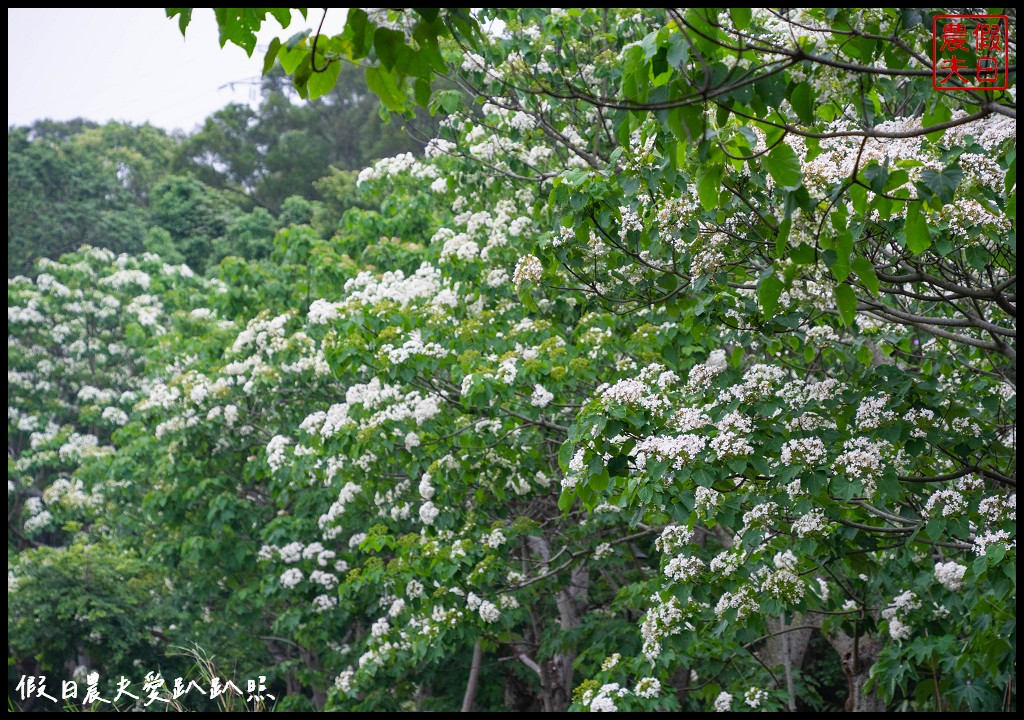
(857, 654)
(787, 647)
(680, 680)
(556, 674)
(474, 677)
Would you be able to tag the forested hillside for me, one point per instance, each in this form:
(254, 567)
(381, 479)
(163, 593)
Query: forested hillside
(223, 190)
(667, 362)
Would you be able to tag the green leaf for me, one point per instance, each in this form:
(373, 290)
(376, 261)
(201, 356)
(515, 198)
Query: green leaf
(282, 15)
(428, 14)
(385, 86)
(678, 51)
(297, 39)
(184, 17)
(939, 113)
(740, 17)
(772, 90)
(859, 198)
(803, 101)
(709, 185)
(877, 176)
(271, 56)
(292, 57)
(782, 238)
(565, 501)
(768, 294)
(864, 356)
(686, 123)
(783, 165)
(302, 75)
(321, 83)
(944, 182)
(977, 257)
(918, 237)
(618, 466)
(357, 37)
(866, 272)
(846, 301)
(838, 260)
(388, 44)
(804, 254)
(421, 91)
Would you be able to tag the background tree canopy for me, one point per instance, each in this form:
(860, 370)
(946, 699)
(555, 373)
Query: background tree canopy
(79, 183)
(677, 372)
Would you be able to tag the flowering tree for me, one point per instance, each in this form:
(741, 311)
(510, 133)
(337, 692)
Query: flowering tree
(78, 338)
(679, 373)
(789, 189)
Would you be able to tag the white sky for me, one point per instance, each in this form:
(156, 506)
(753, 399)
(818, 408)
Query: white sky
(131, 65)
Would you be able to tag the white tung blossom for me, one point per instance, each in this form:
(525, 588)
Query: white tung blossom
(428, 513)
(723, 703)
(950, 575)
(528, 269)
(540, 397)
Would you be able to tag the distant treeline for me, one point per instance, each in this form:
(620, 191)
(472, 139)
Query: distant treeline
(224, 190)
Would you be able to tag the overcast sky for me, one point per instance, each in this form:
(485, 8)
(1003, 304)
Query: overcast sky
(132, 65)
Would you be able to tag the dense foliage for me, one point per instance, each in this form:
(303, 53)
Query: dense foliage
(677, 372)
(224, 189)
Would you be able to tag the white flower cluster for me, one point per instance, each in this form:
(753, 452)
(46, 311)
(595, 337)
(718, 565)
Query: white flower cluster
(761, 515)
(782, 583)
(806, 451)
(275, 452)
(723, 703)
(742, 601)
(665, 618)
(602, 551)
(647, 688)
(495, 539)
(541, 397)
(413, 346)
(291, 577)
(79, 446)
(895, 613)
(71, 493)
(758, 381)
(489, 612)
(38, 521)
(874, 412)
(684, 568)
(402, 164)
(528, 269)
(947, 503)
(950, 575)
(999, 508)
(678, 450)
(321, 311)
(673, 538)
(647, 390)
(706, 499)
(367, 289)
(123, 278)
(604, 699)
(754, 697)
(863, 459)
(428, 513)
(813, 523)
(992, 537)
